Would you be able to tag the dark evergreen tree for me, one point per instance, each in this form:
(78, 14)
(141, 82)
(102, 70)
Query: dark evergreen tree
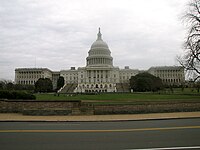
(144, 82)
(43, 85)
(60, 82)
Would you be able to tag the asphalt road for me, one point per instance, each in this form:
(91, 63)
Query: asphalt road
(165, 134)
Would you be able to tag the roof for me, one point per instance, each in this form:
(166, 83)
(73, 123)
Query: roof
(32, 69)
(166, 68)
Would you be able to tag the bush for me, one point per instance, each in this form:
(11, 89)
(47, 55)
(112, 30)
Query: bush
(144, 82)
(43, 85)
(16, 95)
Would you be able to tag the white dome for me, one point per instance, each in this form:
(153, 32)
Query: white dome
(99, 53)
(99, 43)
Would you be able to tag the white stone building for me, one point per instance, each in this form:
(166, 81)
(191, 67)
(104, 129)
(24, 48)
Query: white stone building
(31, 75)
(99, 74)
(170, 75)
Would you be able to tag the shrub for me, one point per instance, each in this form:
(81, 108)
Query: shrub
(43, 85)
(16, 95)
(144, 82)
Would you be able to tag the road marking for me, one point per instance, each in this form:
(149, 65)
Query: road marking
(53, 124)
(85, 131)
(168, 148)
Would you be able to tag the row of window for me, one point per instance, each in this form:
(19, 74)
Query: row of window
(31, 72)
(169, 75)
(30, 76)
(98, 71)
(124, 77)
(167, 71)
(171, 80)
(95, 86)
(128, 74)
(98, 76)
(26, 82)
(71, 74)
(101, 81)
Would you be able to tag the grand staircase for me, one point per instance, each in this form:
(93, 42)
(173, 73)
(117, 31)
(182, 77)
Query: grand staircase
(123, 87)
(68, 88)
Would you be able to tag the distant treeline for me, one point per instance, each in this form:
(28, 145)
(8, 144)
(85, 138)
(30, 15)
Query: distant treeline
(8, 85)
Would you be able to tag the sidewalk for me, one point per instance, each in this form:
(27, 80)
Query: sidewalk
(127, 117)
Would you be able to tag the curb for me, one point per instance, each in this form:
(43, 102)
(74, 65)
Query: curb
(120, 120)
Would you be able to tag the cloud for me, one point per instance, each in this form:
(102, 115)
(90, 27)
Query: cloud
(58, 34)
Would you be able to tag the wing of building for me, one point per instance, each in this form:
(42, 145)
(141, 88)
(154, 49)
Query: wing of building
(99, 74)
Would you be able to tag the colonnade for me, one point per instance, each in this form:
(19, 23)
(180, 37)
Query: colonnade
(98, 76)
(92, 61)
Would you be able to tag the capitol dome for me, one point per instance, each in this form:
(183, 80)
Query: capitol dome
(99, 42)
(99, 53)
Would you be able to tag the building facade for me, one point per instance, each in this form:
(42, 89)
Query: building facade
(31, 75)
(99, 74)
(170, 75)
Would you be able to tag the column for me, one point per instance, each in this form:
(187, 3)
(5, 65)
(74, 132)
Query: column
(96, 74)
(104, 77)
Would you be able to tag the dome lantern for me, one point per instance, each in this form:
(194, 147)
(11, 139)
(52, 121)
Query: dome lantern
(99, 35)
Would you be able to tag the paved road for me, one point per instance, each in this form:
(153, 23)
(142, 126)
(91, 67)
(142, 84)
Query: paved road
(179, 133)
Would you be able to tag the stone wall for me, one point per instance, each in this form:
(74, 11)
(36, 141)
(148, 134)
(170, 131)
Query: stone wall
(33, 107)
(146, 108)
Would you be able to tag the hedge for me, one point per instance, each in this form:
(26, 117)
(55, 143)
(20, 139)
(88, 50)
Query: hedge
(16, 95)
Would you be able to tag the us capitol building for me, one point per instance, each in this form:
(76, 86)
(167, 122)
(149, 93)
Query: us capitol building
(99, 74)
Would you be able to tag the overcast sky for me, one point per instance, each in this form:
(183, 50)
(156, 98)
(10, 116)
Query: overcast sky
(58, 34)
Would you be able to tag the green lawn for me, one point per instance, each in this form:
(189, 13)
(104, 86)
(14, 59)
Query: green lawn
(129, 98)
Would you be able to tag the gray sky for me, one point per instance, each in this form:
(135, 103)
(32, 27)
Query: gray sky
(57, 34)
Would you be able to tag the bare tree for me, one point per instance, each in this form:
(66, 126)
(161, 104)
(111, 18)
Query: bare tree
(191, 57)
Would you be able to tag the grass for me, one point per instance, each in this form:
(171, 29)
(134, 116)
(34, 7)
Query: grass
(52, 96)
(129, 98)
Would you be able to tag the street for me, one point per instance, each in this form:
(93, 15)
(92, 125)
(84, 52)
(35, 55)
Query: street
(151, 134)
